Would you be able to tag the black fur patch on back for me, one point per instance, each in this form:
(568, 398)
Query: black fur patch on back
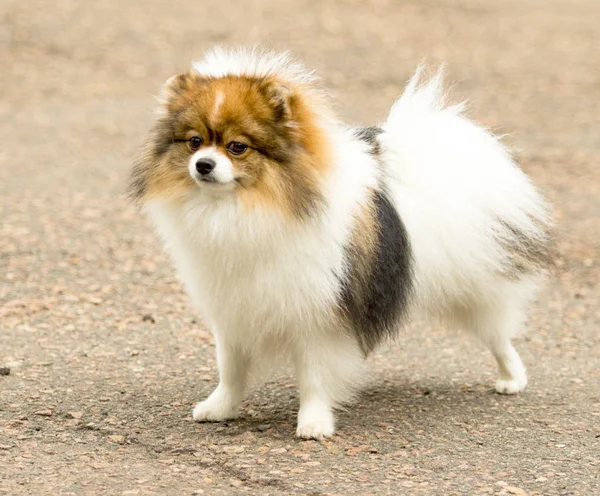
(378, 281)
(369, 135)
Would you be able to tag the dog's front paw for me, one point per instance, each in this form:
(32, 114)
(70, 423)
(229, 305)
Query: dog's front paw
(315, 421)
(511, 386)
(216, 408)
(318, 430)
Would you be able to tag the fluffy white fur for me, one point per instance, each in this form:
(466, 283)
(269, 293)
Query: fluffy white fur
(265, 286)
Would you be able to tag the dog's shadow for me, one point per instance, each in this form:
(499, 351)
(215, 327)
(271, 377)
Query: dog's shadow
(388, 408)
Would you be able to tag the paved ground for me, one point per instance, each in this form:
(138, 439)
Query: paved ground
(105, 356)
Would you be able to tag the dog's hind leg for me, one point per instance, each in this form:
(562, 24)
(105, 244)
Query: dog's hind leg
(495, 325)
(512, 376)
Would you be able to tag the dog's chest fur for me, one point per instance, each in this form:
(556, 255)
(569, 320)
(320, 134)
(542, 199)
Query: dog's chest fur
(249, 273)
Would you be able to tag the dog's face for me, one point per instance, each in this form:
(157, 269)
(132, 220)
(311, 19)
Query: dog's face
(253, 138)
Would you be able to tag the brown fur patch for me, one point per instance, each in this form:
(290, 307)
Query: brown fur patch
(363, 241)
(361, 253)
(287, 149)
(161, 168)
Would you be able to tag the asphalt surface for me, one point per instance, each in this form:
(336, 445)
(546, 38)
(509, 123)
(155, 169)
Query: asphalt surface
(105, 357)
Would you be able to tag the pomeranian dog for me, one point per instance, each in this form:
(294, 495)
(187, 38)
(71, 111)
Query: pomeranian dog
(302, 240)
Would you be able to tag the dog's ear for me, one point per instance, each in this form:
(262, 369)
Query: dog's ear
(281, 99)
(174, 86)
(178, 90)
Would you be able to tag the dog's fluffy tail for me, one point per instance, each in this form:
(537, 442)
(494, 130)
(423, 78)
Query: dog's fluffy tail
(475, 219)
(422, 96)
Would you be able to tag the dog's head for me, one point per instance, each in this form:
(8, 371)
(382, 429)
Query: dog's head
(255, 136)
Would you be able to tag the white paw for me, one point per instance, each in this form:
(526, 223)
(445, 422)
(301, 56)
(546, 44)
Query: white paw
(318, 430)
(215, 409)
(315, 421)
(511, 386)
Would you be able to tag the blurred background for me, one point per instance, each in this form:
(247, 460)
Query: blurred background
(103, 355)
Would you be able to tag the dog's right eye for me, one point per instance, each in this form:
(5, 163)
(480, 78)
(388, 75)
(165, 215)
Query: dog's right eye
(194, 143)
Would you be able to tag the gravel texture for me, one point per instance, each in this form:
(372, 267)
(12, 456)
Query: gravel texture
(102, 358)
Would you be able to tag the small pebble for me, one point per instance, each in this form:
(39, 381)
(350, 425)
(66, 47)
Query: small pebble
(264, 427)
(4, 370)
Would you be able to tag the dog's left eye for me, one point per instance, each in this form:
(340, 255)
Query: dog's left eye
(236, 148)
(195, 142)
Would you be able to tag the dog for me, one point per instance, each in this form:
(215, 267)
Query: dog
(304, 241)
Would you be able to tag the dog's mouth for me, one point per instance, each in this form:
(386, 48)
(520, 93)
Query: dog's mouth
(210, 183)
(208, 179)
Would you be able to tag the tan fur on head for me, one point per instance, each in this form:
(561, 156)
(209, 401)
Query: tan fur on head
(287, 149)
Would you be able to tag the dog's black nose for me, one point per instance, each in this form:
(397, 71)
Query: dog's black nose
(205, 165)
